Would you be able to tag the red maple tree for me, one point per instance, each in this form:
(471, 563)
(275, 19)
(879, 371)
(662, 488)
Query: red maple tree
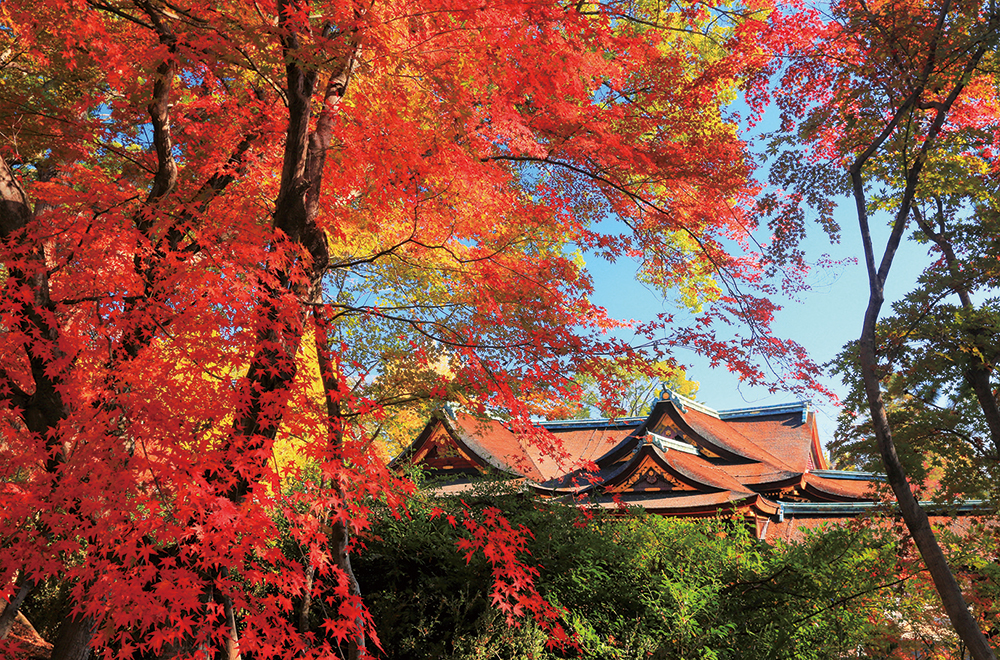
(236, 231)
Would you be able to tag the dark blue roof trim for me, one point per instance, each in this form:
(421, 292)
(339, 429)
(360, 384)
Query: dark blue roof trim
(565, 424)
(848, 475)
(763, 411)
(855, 508)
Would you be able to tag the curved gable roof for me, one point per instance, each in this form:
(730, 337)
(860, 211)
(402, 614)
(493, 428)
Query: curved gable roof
(686, 468)
(703, 427)
(494, 443)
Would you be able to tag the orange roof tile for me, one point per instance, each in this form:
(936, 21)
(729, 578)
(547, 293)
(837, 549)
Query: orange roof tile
(690, 504)
(753, 473)
(591, 443)
(784, 435)
(560, 449)
(697, 469)
(840, 489)
(723, 438)
(689, 469)
(495, 443)
(683, 450)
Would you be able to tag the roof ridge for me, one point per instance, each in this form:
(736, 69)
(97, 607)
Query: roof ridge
(476, 438)
(683, 402)
(595, 422)
(761, 411)
(526, 447)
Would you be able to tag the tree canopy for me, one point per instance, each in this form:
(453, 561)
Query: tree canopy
(236, 232)
(236, 238)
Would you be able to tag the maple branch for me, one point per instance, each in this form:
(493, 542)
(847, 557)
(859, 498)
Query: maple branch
(11, 608)
(729, 280)
(636, 198)
(704, 33)
(972, 441)
(100, 6)
(294, 216)
(15, 212)
(228, 173)
(186, 13)
(266, 78)
(417, 325)
(164, 182)
(290, 211)
(369, 309)
(333, 393)
(165, 179)
(44, 409)
(9, 391)
(8, 57)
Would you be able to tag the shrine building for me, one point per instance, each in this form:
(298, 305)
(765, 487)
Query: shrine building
(763, 464)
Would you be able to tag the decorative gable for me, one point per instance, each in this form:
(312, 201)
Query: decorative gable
(439, 451)
(648, 476)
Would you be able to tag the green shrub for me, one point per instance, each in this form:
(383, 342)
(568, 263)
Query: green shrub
(633, 586)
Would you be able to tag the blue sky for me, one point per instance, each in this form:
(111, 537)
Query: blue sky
(827, 316)
(824, 318)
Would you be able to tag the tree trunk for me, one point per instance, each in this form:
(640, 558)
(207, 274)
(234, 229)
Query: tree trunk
(232, 647)
(915, 518)
(10, 612)
(73, 642)
(306, 607)
(333, 393)
(339, 540)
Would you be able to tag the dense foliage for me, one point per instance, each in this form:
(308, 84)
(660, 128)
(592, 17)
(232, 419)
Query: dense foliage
(637, 586)
(236, 236)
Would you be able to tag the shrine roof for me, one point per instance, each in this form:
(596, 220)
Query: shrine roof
(686, 441)
(783, 432)
(720, 435)
(752, 473)
(694, 469)
(796, 518)
(589, 439)
(832, 486)
(690, 471)
(529, 451)
(495, 443)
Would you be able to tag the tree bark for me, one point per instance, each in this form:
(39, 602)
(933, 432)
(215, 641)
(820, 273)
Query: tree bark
(339, 536)
(295, 212)
(915, 518)
(73, 641)
(45, 408)
(306, 605)
(11, 610)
